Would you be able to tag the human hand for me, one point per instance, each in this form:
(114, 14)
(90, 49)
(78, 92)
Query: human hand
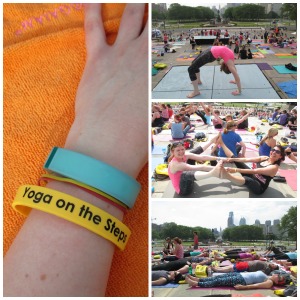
(112, 97)
(240, 287)
(230, 170)
(232, 81)
(235, 93)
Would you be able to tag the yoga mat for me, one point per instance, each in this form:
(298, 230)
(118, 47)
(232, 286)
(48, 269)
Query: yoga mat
(291, 178)
(168, 138)
(285, 56)
(155, 161)
(168, 285)
(281, 69)
(264, 66)
(231, 288)
(159, 149)
(185, 59)
(258, 55)
(289, 87)
(226, 263)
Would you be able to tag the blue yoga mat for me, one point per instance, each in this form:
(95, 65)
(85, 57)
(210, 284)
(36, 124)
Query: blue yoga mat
(168, 285)
(156, 161)
(284, 70)
(159, 149)
(289, 87)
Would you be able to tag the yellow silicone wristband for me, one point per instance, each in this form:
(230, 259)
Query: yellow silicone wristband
(73, 210)
(69, 180)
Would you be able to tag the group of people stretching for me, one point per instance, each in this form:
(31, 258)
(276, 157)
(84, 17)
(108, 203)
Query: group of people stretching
(248, 271)
(183, 171)
(228, 146)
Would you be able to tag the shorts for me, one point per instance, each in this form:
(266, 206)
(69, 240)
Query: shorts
(242, 266)
(186, 185)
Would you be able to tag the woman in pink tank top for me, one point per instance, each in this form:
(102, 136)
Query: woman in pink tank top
(178, 251)
(183, 171)
(210, 55)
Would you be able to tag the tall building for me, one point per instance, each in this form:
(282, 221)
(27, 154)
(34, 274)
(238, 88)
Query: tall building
(275, 229)
(230, 220)
(257, 222)
(275, 7)
(161, 7)
(242, 221)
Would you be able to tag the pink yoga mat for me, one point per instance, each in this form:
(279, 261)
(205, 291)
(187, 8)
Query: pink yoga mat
(291, 178)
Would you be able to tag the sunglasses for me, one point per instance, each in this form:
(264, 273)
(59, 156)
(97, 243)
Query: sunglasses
(275, 150)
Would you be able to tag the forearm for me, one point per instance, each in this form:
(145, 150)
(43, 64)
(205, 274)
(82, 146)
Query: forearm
(77, 259)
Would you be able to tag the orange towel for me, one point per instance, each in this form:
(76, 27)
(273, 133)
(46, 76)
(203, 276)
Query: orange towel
(44, 56)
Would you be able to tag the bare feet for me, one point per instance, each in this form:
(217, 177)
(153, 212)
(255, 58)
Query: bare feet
(190, 281)
(235, 93)
(217, 169)
(193, 94)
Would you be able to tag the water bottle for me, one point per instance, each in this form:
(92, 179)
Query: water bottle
(190, 270)
(193, 268)
(161, 256)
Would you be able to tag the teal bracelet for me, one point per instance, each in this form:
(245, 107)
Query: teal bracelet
(94, 173)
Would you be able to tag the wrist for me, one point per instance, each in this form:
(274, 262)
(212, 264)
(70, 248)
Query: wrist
(89, 198)
(130, 159)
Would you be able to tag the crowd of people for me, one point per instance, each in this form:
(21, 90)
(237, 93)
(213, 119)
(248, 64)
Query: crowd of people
(227, 147)
(243, 269)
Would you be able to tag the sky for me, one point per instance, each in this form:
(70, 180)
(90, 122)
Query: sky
(214, 213)
(199, 3)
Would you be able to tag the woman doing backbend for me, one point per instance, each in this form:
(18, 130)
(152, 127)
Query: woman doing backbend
(210, 55)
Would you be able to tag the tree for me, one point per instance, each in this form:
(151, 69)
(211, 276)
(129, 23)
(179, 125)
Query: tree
(288, 223)
(289, 11)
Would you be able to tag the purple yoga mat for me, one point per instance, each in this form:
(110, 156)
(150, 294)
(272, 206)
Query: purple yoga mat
(264, 66)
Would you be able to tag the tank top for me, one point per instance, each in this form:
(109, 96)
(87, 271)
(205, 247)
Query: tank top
(264, 180)
(264, 150)
(223, 52)
(176, 130)
(179, 252)
(165, 113)
(254, 277)
(175, 178)
(208, 119)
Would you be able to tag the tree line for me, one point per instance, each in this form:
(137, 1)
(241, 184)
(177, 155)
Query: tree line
(287, 226)
(245, 12)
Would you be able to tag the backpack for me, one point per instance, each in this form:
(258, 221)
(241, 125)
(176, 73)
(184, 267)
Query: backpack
(201, 271)
(161, 172)
(188, 144)
(200, 136)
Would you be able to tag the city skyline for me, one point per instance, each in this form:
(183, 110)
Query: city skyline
(214, 214)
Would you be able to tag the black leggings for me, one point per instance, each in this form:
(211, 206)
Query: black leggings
(201, 115)
(202, 59)
(171, 265)
(251, 182)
